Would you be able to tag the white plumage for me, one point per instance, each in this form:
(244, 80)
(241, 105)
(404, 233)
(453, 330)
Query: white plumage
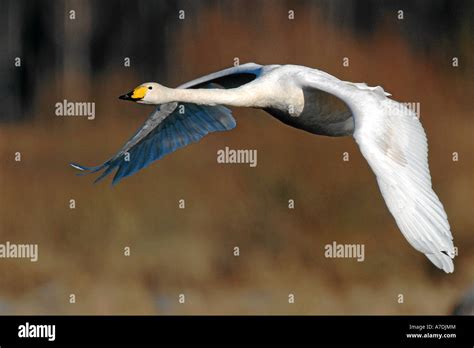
(389, 134)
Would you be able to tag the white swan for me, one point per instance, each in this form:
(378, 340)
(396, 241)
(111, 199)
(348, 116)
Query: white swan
(389, 135)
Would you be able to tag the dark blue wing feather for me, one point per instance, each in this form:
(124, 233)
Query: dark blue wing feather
(177, 130)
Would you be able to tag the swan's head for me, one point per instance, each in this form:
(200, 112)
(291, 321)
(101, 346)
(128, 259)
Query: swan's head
(146, 93)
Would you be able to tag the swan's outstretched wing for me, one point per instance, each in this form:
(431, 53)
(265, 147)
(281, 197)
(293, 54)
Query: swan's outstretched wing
(172, 125)
(166, 130)
(393, 142)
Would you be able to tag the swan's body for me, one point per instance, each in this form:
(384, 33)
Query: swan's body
(389, 135)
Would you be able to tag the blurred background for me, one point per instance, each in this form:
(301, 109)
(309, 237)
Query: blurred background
(190, 251)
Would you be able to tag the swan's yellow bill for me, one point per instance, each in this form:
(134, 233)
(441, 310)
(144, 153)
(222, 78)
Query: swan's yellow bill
(139, 92)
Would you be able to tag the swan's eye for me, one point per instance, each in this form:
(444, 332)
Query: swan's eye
(149, 87)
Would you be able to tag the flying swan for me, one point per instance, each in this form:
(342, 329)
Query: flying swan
(389, 135)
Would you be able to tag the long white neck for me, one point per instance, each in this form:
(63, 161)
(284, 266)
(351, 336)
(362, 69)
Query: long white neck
(231, 97)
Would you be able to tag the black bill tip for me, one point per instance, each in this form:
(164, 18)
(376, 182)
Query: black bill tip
(127, 96)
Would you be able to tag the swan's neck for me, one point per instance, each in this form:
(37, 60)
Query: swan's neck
(230, 97)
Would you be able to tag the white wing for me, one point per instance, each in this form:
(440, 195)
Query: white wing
(393, 142)
(168, 128)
